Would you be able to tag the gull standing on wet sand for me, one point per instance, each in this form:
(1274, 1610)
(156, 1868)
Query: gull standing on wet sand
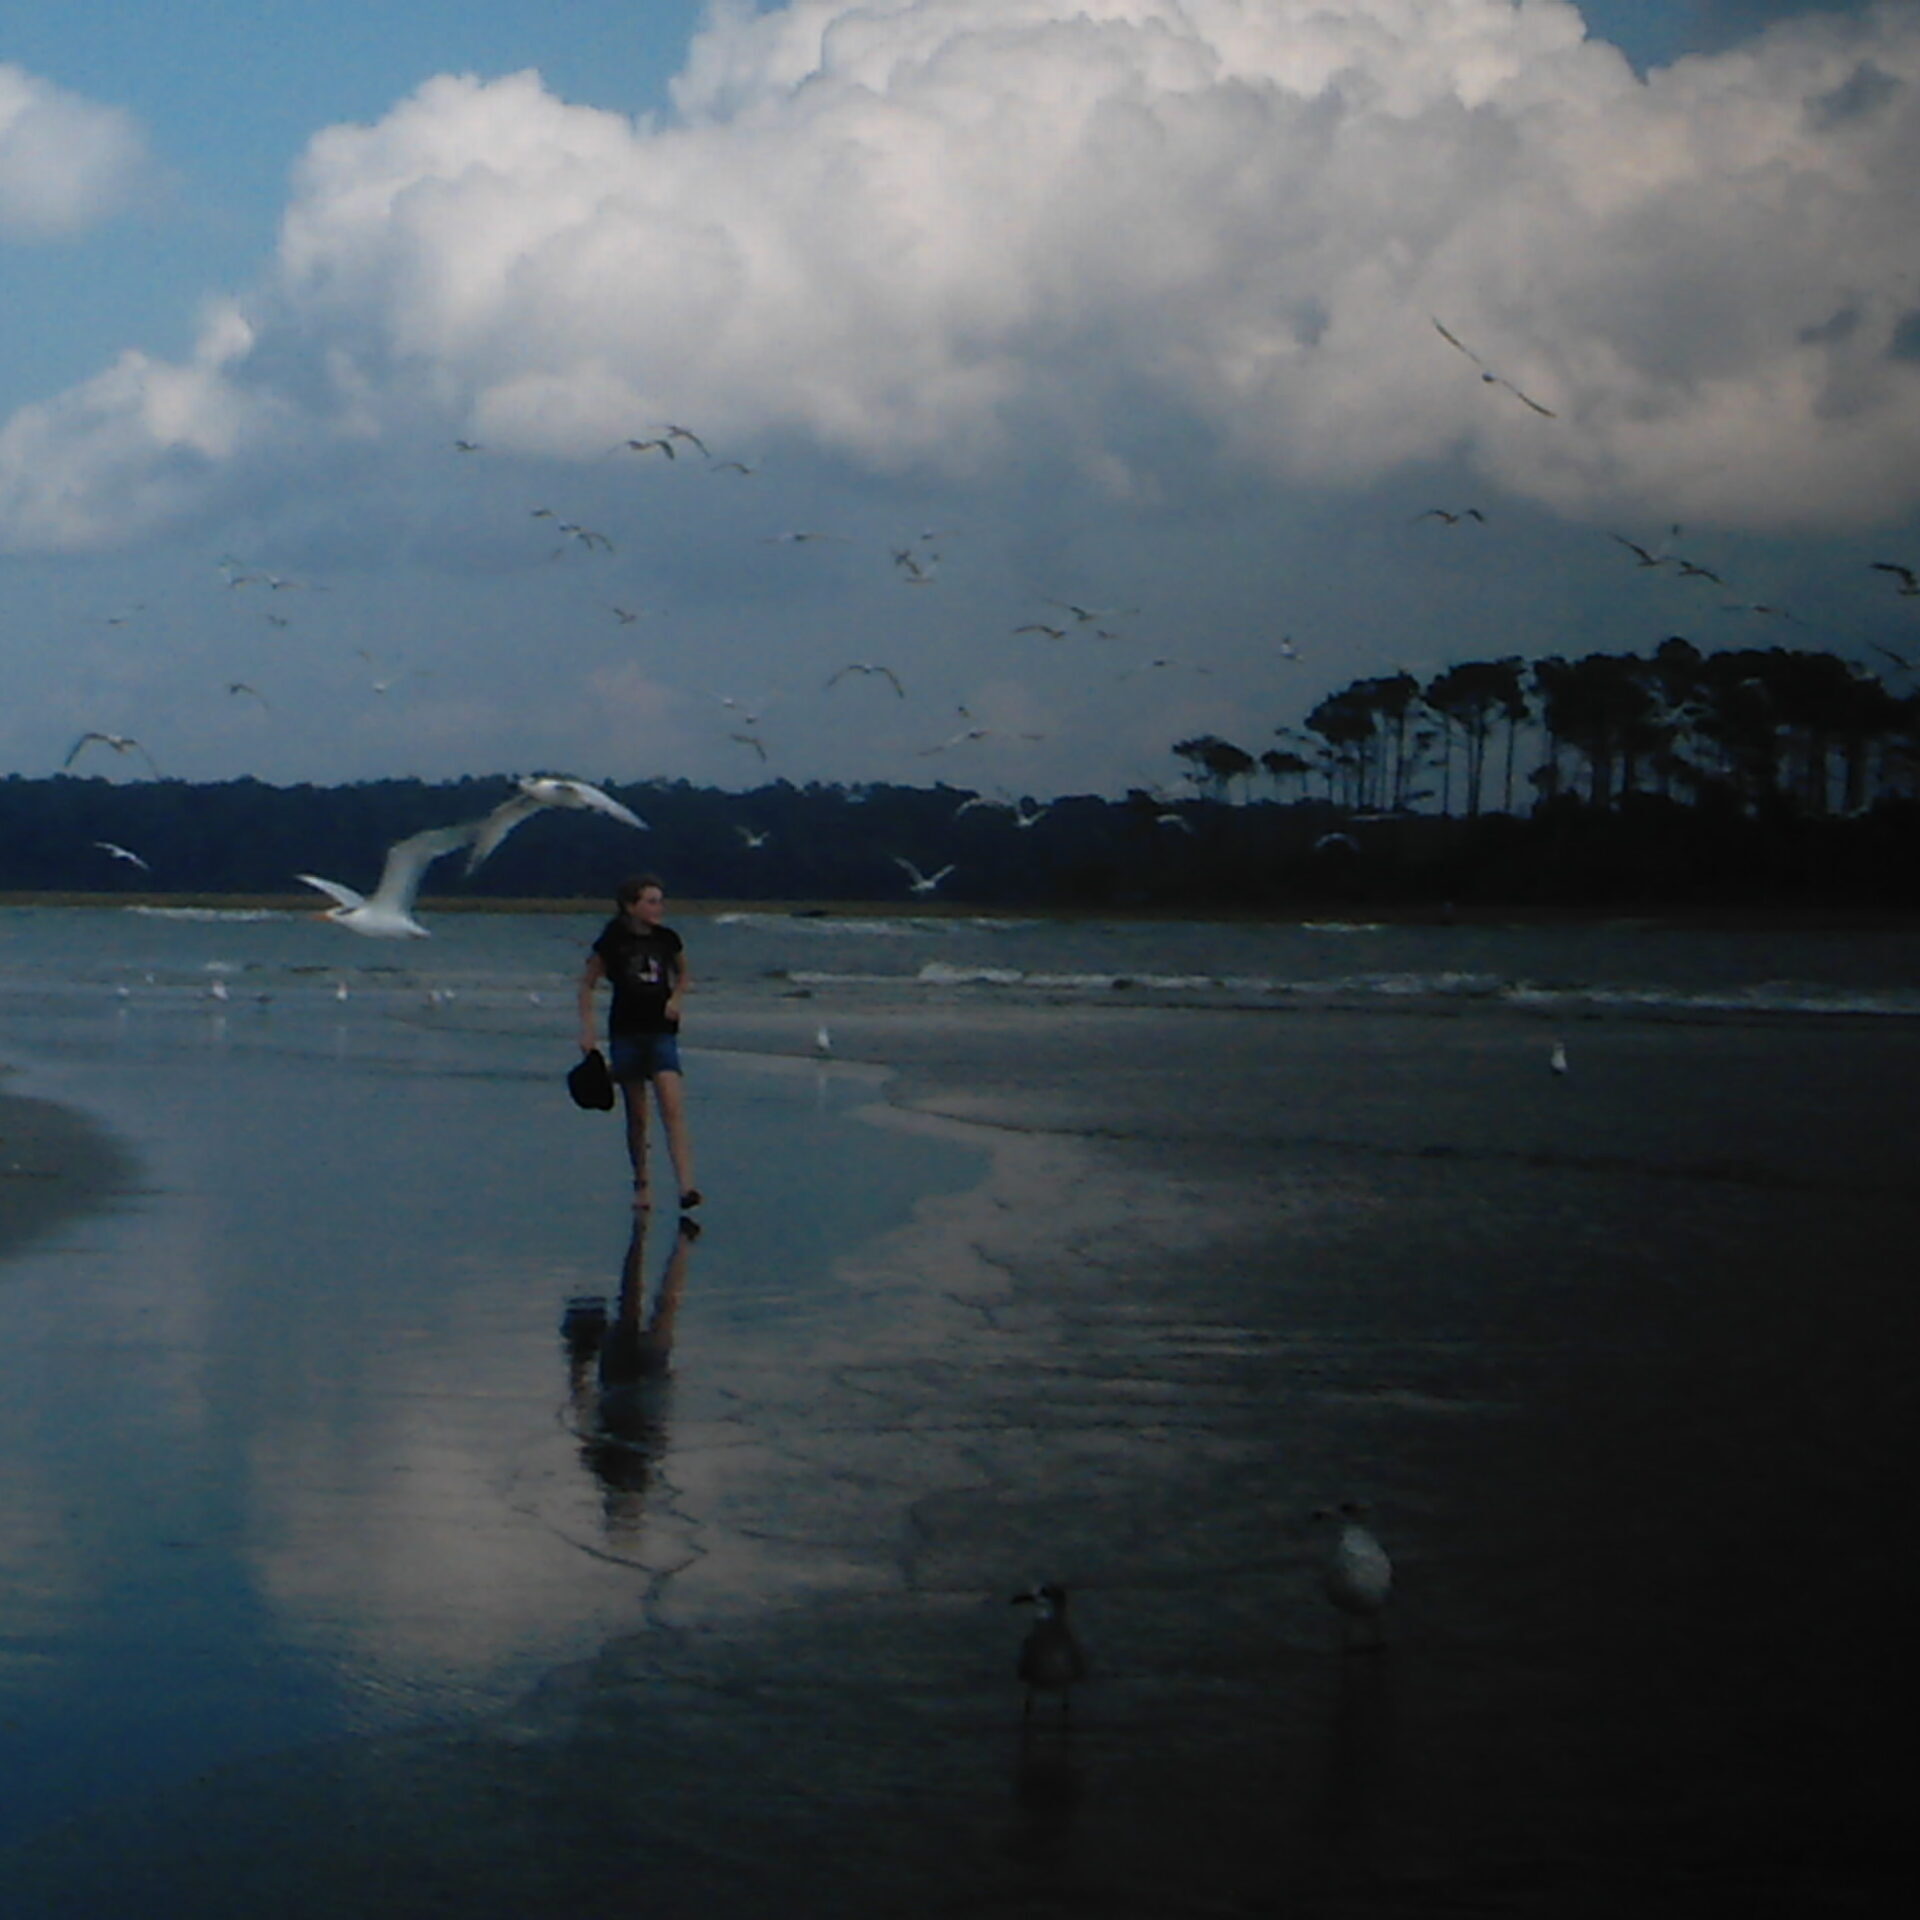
(1051, 1659)
(1358, 1575)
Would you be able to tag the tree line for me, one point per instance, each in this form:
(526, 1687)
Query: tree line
(1773, 778)
(1748, 730)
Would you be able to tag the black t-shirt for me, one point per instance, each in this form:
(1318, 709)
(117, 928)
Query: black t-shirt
(643, 964)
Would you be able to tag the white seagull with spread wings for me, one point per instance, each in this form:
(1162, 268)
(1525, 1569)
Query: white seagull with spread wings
(387, 914)
(920, 882)
(537, 793)
(119, 742)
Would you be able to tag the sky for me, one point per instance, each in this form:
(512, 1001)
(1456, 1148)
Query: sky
(616, 390)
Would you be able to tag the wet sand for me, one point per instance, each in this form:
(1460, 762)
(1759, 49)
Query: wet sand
(54, 1163)
(1616, 1358)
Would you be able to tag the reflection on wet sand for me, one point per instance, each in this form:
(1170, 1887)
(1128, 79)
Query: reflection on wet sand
(619, 1373)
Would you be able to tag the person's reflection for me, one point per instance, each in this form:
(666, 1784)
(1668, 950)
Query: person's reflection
(620, 1372)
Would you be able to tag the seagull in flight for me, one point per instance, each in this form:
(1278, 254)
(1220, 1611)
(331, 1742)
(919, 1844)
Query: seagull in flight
(1449, 518)
(1487, 373)
(869, 666)
(752, 740)
(644, 446)
(1086, 616)
(1909, 581)
(467, 446)
(689, 436)
(123, 853)
(754, 840)
(1640, 553)
(919, 882)
(1040, 626)
(1147, 666)
(571, 530)
(388, 913)
(119, 742)
(800, 536)
(954, 740)
(537, 793)
(241, 686)
(748, 713)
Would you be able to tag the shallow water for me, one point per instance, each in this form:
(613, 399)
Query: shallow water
(1619, 1357)
(1635, 965)
(290, 1442)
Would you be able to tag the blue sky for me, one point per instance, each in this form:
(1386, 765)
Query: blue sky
(1023, 307)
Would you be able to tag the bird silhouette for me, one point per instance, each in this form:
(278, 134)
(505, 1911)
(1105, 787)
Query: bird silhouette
(1051, 1658)
(1909, 580)
(119, 742)
(1489, 376)
(869, 667)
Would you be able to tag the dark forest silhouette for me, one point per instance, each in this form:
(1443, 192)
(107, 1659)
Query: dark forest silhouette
(1773, 778)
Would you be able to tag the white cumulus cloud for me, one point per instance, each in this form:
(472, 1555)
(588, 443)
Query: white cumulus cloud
(927, 234)
(66, 162)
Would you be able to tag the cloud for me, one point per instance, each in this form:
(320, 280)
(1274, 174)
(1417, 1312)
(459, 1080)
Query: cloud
(935, 235)
(66, 163)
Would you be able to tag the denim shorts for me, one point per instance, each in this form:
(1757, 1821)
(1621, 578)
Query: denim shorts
(639, 1056)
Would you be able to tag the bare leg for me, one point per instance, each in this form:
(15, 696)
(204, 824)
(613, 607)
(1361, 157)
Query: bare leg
(670, 1094)
(634, 1094)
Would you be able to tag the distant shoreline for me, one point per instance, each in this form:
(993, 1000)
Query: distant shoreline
(1719, 918)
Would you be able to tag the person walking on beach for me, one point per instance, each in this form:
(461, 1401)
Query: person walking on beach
(646, 963)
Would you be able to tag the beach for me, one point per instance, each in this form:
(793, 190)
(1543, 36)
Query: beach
(1613, 1357)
